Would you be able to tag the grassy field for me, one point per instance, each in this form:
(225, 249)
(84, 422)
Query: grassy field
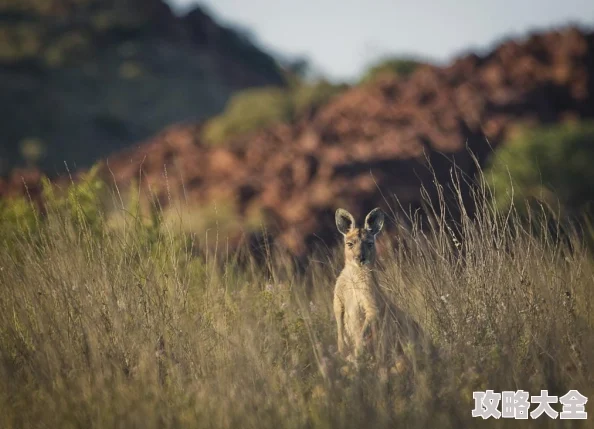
(144, 326)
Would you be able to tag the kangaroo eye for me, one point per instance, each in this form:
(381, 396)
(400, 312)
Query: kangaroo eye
(349, 244)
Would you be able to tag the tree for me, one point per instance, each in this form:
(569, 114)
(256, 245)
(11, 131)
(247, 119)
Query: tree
(550, 165)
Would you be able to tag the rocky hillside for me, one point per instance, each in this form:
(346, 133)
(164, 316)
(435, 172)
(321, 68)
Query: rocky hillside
(372, 142)
(82, 79)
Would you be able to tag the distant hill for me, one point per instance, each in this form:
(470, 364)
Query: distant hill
(372, 143)
(363, 147)
(82, 79)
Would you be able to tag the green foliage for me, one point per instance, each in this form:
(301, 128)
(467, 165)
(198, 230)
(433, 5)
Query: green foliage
(55, 32)
(81, 9)
(68, 47)
(39, 7)
(80, 203)
(249, 110)
(311, 96)
(17, 217)
(253, 109)
(80, 206)
(32, 150)
(549, 165)
(20, 41)
(401, 67)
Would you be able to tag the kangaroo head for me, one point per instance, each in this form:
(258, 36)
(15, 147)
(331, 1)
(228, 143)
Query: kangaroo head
(359, 243)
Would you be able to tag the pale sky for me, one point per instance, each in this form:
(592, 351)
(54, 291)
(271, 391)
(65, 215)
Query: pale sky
(342, 37)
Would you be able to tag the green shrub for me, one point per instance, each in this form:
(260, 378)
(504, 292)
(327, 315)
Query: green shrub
(549, 165)
(21, 41)
(80, 205)
(17, 216)
(249, 110)
(55, 32)
(312, 96)
(391, 67)
(254, 109)
(68, 47)
(38, 7)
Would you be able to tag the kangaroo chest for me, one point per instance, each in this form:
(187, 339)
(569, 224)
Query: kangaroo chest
(359, 300)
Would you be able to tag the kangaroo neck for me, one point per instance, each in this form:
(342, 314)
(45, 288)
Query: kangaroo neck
(363, 273)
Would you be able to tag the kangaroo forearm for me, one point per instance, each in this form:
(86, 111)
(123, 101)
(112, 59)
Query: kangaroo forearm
(368, 324)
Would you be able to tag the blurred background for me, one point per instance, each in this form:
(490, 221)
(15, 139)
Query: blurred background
(275, 112)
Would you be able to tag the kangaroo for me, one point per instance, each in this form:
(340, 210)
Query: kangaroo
(365, 319)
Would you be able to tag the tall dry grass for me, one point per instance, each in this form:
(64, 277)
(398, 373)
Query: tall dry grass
(145, 327)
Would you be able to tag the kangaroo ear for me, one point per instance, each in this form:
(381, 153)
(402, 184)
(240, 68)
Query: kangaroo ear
(374, 221)
(345, 221)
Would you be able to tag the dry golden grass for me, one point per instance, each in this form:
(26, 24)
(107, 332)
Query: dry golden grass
(144, 328)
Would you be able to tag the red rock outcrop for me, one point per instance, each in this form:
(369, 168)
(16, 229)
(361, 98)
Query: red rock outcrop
(374, 142)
